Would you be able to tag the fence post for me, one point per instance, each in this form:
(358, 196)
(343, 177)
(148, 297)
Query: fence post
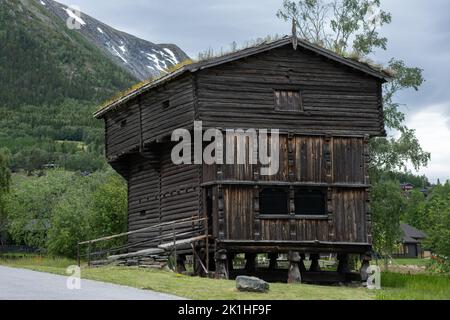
(89, 254)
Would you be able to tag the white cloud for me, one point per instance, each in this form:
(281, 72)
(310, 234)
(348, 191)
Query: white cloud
(433, 132)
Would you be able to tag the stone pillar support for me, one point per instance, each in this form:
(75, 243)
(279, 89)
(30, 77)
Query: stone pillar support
(294, 275)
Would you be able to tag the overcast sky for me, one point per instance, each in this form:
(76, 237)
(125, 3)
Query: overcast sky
(419, 33)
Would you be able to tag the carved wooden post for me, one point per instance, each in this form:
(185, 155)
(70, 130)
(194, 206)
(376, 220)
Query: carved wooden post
(315, 267)
(221, 264)
(292, 220)
(366, 155)
(294, 275)
(89, 254)
(273, 264)
(292, 173)
(256, 219)
(365, 263)
(221, 211)
(343, 266)
(329, 178)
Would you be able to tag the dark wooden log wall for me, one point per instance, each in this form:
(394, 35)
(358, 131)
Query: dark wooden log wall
(336, 99)
(122, 130)
(180, 191)
(349, 214)
(159, 120)
(337, 164)
(308, 159)
(162, 192)
(165, 192)
(143, 201)
(147, 118)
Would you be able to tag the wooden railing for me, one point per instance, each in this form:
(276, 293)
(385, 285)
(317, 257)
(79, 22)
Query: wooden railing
(170, 238)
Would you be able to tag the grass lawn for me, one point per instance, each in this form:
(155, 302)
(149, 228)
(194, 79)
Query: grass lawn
(395, 286)
(414, 287)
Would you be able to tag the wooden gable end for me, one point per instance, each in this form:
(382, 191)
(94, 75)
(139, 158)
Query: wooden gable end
(150, 116)
(335, 99)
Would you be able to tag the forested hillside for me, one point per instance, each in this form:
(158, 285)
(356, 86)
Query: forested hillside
(42, 61)
(51, 81)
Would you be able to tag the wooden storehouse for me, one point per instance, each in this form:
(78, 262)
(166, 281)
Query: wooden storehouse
(325, 107)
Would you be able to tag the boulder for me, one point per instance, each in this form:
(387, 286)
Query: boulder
(251, 284)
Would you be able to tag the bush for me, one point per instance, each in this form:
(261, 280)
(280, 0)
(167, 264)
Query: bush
(30, 205)
(55, 211)
(439, 264)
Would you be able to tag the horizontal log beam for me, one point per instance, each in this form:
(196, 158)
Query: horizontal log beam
(141, 253)
(288, 217)
(284, 183)
(286, 246)
(172, 244)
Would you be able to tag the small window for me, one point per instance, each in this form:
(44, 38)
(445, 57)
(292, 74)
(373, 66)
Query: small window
(310, 201)
(274, 201)
(166, 104)
(123, 123)
(288, 100)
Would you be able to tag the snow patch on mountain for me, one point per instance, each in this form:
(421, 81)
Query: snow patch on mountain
(161, 65)
(172, 55)
(114, 50)
(123, 48)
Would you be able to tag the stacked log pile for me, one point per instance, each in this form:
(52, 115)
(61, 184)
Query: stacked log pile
(150, 258)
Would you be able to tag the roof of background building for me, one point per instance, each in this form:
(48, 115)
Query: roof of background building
(411, 234)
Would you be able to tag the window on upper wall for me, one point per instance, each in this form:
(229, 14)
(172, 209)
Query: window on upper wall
(288, 100)
(310, 201)
(274, 201)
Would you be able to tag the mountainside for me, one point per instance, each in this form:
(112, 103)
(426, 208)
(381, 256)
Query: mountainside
(141, 58)
(52, 79)
(42, 61)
